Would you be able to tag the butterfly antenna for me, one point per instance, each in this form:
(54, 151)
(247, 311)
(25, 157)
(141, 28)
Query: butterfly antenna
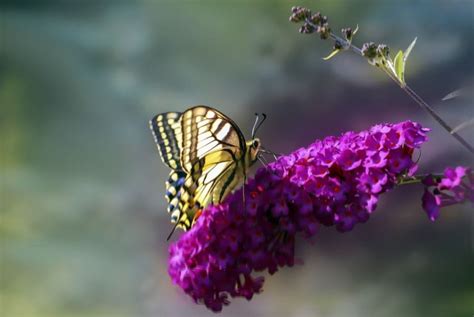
(172, 231)
(254, 128)
(259, 125)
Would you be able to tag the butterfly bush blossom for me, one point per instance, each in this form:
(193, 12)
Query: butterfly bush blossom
(454, 187)
(333, 182)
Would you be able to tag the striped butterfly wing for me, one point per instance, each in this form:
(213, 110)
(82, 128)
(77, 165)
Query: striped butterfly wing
(205, 131)
(188, 194)
(191, 193)
(218, 174)
(204, 148)
(212, 151)
(166, 130)
(174, 190)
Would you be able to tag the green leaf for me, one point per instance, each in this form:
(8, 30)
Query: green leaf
(333, 53)
(463, 125)
(355, 31)
(399, 63)
(408, 50)
(353, 34)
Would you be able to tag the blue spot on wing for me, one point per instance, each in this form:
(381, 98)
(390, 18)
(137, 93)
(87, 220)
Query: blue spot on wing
(174, 188)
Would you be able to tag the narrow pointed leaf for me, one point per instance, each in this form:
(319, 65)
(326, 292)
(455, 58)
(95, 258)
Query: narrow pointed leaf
(452, 95)
(354, 33)
(356, 29)
(333, 53)
(463, 126)
(408, 50)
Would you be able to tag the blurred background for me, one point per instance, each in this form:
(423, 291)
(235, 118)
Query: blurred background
(83, 221)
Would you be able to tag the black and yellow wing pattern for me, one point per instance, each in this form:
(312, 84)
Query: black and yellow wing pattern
(207, 154)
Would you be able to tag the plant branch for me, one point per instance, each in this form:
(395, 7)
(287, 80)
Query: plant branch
(423, 104)
(417, 179)
(346, 44)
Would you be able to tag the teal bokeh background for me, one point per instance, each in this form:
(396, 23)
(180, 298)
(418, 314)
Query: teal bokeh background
(83, 222)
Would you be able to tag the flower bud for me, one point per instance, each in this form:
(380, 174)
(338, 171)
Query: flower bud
(369, 50)
(382, 51)
(347, 33)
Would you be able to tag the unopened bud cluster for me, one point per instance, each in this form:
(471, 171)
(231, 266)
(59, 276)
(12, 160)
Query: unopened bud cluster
(375, 53)
(311, 22)
(347, 33)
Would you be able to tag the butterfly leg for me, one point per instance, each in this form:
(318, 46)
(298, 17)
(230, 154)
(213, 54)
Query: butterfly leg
(243, 189)
(262, 160)
(173, 230)
(267, 151)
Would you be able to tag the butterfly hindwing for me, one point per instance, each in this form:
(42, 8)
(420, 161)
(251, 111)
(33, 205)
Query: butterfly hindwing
(207, 183)
(174, 186)
(215, 174)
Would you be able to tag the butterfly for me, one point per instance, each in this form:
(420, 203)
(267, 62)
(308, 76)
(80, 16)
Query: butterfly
(208, 156)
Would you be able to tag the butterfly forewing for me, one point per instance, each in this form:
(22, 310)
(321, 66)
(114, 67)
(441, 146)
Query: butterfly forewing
(167, 131)
(206, 131)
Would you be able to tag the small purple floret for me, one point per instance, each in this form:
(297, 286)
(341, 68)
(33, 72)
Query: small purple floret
(456, 186)
(333, 182)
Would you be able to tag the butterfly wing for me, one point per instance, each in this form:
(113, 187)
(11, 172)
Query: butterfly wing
(174, 190)
(167, 132)
(205, 131)
(206, 150)
(218, 173)
(212, 154)
(166, 128)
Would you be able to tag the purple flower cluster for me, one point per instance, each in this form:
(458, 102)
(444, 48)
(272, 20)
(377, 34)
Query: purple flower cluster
(336, 181)
(454, 187)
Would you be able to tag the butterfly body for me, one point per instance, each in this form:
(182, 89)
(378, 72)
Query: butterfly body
(208, 156)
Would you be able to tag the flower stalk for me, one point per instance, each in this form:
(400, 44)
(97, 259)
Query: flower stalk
(377, 55)
(416, 179)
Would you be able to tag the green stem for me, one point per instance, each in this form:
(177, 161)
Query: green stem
(410, 92)
(423, 104)
(416, 179)
(410, 180)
